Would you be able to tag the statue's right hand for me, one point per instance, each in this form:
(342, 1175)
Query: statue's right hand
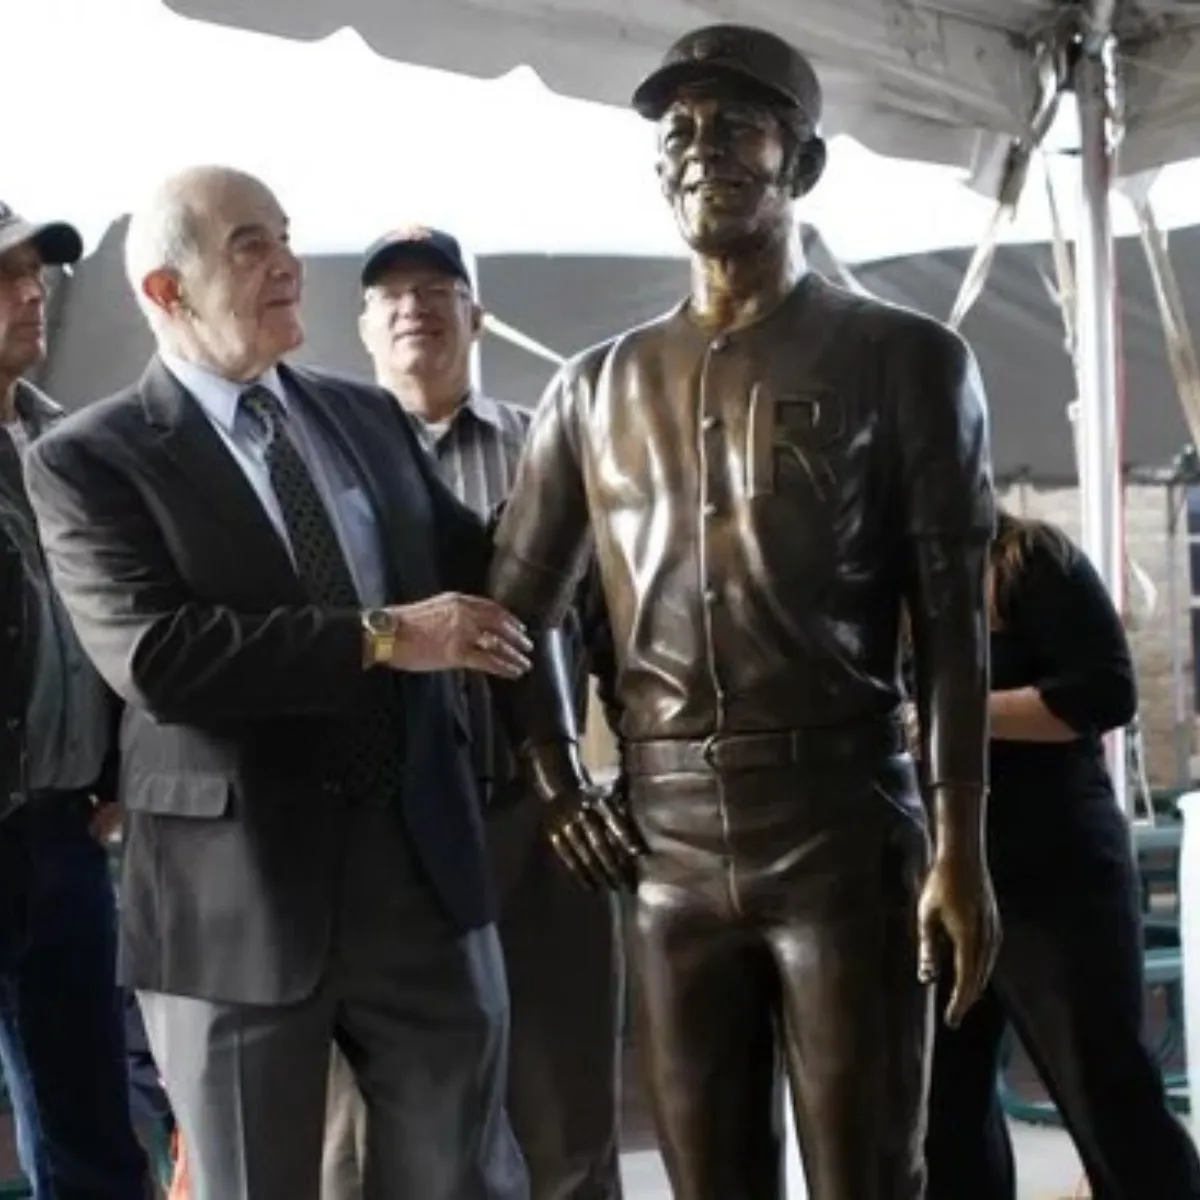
(592, 834)
(456, 632)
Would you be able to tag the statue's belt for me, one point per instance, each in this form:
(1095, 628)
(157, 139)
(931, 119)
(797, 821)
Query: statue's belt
(756, 751)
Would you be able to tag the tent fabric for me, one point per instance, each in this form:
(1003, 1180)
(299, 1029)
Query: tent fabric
(920, 81)
(512, 167)
(569, 303)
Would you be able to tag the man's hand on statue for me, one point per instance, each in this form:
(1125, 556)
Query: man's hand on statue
(456, 632)
(591, 833)
(957, 902)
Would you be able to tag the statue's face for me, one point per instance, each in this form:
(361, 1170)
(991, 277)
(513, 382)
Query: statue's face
(722, 165)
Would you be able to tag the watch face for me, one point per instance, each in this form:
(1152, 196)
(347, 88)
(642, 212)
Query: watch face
(379, 620)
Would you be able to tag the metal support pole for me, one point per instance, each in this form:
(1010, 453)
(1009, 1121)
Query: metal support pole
(472, 265)
(1100, 483)
(1180, 724)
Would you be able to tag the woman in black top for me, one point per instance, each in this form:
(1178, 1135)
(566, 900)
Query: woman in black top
(1069, 973)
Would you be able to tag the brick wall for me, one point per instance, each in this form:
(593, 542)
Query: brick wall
(1146, 518)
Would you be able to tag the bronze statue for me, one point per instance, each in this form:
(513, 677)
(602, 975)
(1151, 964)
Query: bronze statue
(769, 474)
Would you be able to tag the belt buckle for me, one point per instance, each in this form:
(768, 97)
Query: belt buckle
(710, 749)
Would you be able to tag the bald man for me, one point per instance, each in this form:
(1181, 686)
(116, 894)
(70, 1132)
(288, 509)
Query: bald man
(262, 564)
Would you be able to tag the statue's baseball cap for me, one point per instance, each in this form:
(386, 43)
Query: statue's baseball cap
(740, 54)
(57, 243)
(414, 244)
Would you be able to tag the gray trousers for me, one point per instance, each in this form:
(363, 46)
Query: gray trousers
(345, 1147)
(422, 1017)
(562, 952)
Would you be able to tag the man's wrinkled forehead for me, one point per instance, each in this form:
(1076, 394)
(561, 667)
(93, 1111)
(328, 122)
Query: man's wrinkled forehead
(227, 205)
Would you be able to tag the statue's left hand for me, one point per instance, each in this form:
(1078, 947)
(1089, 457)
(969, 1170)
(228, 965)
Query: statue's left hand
(591, 832)
(957, 901)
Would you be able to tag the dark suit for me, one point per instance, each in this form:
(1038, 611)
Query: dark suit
(243, 859)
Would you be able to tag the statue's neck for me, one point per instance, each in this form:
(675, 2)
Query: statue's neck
(736, 289)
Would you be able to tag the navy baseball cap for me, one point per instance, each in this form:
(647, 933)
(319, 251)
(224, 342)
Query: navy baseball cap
(57, 243)
(414, 244)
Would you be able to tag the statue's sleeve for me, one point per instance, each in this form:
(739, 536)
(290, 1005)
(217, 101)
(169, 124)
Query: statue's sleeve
(948, 510)
(540, 553)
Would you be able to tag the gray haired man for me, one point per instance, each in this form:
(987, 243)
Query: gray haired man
(419, 321)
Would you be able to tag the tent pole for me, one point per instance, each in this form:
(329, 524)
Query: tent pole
(476, 359)
(1181, 734)
(1101, 484)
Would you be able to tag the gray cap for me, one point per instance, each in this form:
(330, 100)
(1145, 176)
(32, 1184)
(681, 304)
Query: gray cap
(740, 54)
(56, 242)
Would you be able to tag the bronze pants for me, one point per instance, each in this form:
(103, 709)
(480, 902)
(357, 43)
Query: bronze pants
(776, 931)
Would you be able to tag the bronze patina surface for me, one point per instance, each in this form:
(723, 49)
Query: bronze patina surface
(769, 475)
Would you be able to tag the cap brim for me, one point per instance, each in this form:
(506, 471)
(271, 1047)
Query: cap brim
(397, 253)
(656, 92)
(57, 243)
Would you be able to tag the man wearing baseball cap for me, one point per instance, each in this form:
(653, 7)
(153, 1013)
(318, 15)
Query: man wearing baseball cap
(419, 323)
(770, 474)
(61, 1030)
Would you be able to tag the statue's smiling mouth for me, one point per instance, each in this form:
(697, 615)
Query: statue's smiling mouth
(716, 185)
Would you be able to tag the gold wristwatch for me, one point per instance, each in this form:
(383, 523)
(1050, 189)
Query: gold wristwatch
(380, 630)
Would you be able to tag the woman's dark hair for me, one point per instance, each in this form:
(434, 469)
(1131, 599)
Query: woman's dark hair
(1012, 543)
(1008, 553)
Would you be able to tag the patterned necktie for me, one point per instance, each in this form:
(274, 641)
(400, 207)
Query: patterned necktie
(371, 754)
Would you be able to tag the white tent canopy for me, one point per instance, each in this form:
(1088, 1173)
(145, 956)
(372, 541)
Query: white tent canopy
(355, 143)
(912, 80)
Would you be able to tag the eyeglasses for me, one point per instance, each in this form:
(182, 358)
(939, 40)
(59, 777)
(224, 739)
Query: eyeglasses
(441, 292)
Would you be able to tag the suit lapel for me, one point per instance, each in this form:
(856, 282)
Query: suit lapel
(399, 504)
(186, 435)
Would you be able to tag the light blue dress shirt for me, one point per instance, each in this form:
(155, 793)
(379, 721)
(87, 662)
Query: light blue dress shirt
(336, 477)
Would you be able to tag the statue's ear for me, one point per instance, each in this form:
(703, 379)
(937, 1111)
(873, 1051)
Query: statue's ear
(809, 166)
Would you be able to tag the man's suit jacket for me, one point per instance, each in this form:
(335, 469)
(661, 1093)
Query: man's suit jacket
(187, 601)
